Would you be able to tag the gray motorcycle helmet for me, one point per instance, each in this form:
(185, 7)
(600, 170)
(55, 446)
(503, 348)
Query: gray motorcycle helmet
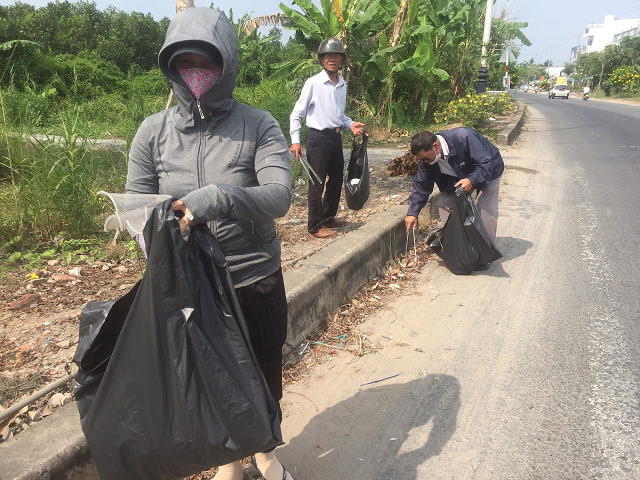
(331, 45)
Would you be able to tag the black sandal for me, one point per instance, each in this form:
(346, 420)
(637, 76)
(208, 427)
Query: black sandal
(255, 464)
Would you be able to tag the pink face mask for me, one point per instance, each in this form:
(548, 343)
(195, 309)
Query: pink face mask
(199, 80)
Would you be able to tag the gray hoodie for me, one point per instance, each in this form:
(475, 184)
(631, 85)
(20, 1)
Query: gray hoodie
(228, 162)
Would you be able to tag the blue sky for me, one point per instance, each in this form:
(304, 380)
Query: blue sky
(554, 25)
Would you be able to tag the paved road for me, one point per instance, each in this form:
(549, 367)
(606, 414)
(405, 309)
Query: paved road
(529, 370)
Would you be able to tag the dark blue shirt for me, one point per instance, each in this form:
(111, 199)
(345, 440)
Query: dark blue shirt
(471, 156)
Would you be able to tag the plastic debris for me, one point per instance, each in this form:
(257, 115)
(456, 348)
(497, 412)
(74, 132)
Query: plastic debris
(380, 379)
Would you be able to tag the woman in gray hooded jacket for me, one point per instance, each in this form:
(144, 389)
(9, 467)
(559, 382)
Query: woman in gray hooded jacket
(229, 166)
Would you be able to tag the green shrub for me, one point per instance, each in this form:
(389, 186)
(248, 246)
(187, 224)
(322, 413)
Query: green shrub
(474, 110)
(151, 83)
(28, 108)
(85, 76)
(625, 81)
(270, 96)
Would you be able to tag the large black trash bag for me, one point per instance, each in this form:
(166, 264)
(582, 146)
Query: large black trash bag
(356, 180)
(172, 386)
(463, 243)
(100, 325)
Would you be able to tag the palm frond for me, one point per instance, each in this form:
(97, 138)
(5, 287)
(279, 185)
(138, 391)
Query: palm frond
(266, 21)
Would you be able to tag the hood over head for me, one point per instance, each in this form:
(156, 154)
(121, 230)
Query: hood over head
(210, 33)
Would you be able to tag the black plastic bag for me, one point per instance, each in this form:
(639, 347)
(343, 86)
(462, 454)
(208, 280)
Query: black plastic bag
(463, 243)
(100, 325)
(168, 383)
(356, 179)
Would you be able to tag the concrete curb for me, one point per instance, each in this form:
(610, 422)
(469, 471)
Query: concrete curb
(52, 449)
(511, 131)
(327, 277)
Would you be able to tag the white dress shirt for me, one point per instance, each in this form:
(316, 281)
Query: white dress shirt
(444, 161)
(322, 103)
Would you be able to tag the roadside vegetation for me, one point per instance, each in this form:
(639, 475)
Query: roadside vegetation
(71, 74)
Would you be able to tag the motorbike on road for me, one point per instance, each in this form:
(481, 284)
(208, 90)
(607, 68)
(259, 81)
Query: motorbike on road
(585, 96)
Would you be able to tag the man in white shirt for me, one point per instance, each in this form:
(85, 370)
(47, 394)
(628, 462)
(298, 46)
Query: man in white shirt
(322, 102)
(585, 91)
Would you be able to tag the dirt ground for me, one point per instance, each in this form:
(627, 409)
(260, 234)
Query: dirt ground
(39, 310)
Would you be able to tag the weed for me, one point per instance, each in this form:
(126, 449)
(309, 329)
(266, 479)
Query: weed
(73, 251)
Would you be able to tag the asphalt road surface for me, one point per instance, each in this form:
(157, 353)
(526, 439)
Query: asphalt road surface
(528, 370)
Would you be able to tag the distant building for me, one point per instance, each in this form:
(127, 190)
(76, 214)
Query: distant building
(574, 54)
(612, 30)
(633, 32)
(553, 72)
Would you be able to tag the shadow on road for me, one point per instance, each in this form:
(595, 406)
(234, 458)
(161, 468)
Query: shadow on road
(381, 432)
(510, 248)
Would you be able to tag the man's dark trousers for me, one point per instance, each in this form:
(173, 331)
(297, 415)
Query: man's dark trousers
(324, 153)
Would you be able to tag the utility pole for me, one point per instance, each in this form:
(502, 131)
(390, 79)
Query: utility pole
(506, 71)
(483, 71)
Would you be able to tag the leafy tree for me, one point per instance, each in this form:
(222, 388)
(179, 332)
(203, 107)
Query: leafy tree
(15, 23)
(66, 27)
(531, 72)
(599, 64)
(131, 39)
(569, 68)
(630, 51)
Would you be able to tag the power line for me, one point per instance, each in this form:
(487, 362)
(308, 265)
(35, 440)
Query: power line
(632, 8)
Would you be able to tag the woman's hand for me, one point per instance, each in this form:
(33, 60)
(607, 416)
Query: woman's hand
(187, 218)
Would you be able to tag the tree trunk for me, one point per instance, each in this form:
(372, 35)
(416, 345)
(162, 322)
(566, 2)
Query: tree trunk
(343, 36)
(602, 64)
(180, 6)
(386, 98)
(183, 4)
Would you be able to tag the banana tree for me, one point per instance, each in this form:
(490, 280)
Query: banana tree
(349, 20)
(313, 23)
(420, 32)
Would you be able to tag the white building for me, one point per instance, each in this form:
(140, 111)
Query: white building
(599, 35)
(634, 32)
(554, 72)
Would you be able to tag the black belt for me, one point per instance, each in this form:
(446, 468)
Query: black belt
(327, 130)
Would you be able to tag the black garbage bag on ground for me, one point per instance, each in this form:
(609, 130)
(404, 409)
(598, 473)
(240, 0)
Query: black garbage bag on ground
(356, 180)
(463, 243)
(168, 383)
